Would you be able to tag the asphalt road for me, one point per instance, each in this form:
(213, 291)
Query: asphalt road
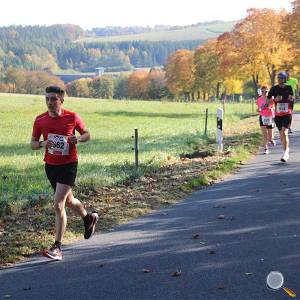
(260, 232)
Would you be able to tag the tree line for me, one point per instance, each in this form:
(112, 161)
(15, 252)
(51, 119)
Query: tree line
(58, 47)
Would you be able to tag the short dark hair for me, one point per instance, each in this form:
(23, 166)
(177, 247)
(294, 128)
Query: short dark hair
(55, 89)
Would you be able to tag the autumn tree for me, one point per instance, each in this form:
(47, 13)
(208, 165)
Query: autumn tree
(291, 28)
(180, 73)
(102, 87)
(157, 84)
(207, 70)
(79, 88)
(138, 85)
(121, 87)
(30, 82)
(258, 46)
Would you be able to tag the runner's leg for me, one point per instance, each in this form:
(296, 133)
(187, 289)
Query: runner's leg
(75, 205)
(60, 196)
(270, 135)
(284, 138)
(265, 137)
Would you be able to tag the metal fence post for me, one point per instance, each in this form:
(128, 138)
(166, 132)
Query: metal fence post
(206, 116)
(136, 149)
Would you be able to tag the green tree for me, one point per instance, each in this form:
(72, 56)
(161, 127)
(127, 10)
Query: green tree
(102, 87)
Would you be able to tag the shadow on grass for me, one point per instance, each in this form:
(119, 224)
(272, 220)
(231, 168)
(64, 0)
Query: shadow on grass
(132, 114)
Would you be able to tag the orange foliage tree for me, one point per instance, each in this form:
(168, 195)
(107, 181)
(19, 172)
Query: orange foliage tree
(180, 72)
(138, 85)
(292, 30)
(207, 70)
(258, 45)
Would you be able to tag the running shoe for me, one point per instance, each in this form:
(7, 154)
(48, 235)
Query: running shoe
(285, 156)
(266, 151)
(90, 224)
(53, 253)
(273, 142)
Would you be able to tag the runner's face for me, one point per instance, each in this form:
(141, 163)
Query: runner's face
(280, 80)
(54, 102)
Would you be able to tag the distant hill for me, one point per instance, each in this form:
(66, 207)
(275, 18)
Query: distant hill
(200, 31)
(68, 47)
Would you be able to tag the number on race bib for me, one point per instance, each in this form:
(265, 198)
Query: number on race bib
(267, 120)
(60, 144)
(282, 107)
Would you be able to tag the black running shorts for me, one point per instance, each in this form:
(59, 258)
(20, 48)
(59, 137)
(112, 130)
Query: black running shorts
(283, 121)
(261, 124)
(65, 174)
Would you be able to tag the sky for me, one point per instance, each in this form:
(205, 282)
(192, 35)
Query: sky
(100, 13)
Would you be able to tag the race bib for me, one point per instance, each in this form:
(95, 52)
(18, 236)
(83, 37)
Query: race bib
(60, 146)
(267, 120)
(282, 107)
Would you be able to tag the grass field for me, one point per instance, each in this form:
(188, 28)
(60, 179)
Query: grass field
(201, 32)
(165, 130)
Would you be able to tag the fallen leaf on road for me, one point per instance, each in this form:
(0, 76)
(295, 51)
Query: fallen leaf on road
(176, 273)
(195, 236)
(146, 270)
(221, 217)
(217, 206)
(248, 273)
(221, 287)
(101, 266)
(7, 296)
(212, 252)
(27, 288)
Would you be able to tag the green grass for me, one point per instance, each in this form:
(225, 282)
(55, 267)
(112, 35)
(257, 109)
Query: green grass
(201, 32)
(165, 129)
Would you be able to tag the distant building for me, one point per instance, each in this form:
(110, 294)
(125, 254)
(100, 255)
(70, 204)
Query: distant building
(66, 78)
(99, 71)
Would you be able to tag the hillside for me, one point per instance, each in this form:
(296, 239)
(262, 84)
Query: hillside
(68, 47)
(187, 33)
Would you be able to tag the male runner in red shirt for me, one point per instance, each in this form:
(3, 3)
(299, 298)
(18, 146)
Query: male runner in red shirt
(58, 126)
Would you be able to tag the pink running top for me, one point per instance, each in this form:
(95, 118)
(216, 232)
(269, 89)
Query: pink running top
(265, 111)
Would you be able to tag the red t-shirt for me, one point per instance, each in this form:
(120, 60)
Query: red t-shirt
(58, 129)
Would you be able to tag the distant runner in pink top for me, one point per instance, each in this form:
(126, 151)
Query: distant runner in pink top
(265, 108)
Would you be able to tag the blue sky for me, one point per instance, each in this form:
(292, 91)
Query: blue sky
(100, 13)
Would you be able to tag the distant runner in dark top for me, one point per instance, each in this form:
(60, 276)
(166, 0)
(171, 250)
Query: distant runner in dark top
(58, 126)
(282, 95)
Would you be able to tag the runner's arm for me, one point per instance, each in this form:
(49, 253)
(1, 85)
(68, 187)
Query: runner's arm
(84, 137)
(35, 144)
